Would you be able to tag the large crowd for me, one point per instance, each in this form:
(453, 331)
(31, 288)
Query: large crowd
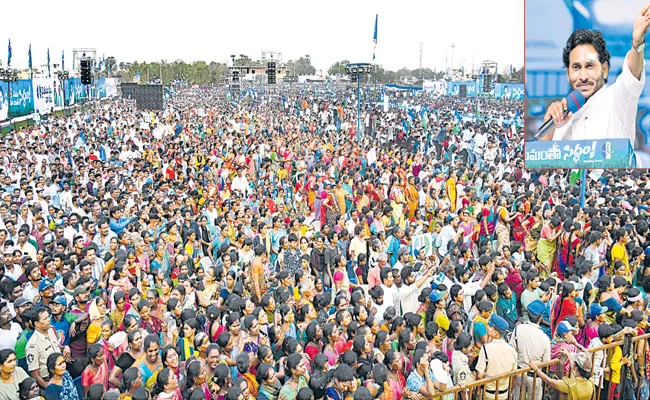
(265, 249)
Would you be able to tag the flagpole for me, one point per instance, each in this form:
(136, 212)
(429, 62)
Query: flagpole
(374, 51)
(31, 66)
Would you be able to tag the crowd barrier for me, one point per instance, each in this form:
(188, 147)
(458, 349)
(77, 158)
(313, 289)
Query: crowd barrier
(475, 390)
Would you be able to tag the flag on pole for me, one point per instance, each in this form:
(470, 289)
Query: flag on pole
(63, 60)
(9, 54)
(49, 71)
(29, 61)
(374, 38)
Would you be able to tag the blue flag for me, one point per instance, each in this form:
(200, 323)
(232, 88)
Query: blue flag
(374, 38)
(405, 126)
(411, 114)
(49, 71)
(29, 62)
(9, 54)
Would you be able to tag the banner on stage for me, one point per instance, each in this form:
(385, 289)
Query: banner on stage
(22, 99)
(43, 94)
(580, 154)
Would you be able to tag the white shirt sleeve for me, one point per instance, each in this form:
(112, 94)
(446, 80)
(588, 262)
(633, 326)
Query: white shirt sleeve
(630, 88)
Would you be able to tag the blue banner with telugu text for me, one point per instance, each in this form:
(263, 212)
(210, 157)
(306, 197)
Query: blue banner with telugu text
(22, 98)
(580, 154)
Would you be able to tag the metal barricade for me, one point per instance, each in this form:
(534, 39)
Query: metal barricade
(476, 389)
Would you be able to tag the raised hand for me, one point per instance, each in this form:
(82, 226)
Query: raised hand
(641, 24)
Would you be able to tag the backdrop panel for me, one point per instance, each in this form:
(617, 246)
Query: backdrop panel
(43, 89)
(22, 99)
(4, 101)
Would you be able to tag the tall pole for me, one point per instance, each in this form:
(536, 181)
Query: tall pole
(583, 187)
(65, 95)
(358, 107)
(9, 103)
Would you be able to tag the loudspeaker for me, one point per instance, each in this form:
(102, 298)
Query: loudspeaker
(128, 90)
(149, 97)
(463, 91)
(86, 77)
(271, 73)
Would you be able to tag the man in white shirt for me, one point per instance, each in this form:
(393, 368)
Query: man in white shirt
(402, 258)
(391, 292)
(240, 183)
(479, 142)
(411, 288)
(448, 233)
(609, 112)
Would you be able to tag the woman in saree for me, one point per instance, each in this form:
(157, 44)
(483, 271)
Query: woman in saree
(97, 313)
(518, 231)
(121, 308)
(532, 227)
(347, 185)
(127, 358)
(161, 260)
(396, 197)
(502, 227)
(430, 206)
(61, 385)
(318, 198)
(569, 245)
(488, 219)
(331, 211)
(141, 255)
(151, 364)
(450, 185)
(412, 198)
(444, 204)
(548, 243)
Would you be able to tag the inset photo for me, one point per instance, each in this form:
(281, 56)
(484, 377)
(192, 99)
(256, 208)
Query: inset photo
(586, 99)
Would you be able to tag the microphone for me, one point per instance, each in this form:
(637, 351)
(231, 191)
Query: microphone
(575, 100)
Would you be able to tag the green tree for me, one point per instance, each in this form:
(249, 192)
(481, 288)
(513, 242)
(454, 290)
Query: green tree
(338, 68)
(302, 66)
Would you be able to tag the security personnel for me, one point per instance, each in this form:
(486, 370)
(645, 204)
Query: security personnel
(495, 358)
(531, 343)
(39, 347)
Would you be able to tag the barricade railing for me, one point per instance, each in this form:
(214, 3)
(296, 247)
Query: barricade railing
(519, 388)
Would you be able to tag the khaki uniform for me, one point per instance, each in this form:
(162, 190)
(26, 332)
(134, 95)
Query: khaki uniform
(496, 358)
(39, 347)
(531, 343)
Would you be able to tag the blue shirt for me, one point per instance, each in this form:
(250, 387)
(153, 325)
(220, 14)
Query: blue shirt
(507, 308)
(393, 248)
(414, 382)
(62, 327)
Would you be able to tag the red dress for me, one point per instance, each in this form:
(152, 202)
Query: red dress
(518, 232)
(561, 309)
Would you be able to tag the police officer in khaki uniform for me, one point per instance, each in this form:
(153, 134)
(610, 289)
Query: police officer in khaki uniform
(531, 343)
(39, 347)
(495, 358)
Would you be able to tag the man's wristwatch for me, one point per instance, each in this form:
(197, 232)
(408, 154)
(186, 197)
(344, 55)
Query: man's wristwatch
(640, 47)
